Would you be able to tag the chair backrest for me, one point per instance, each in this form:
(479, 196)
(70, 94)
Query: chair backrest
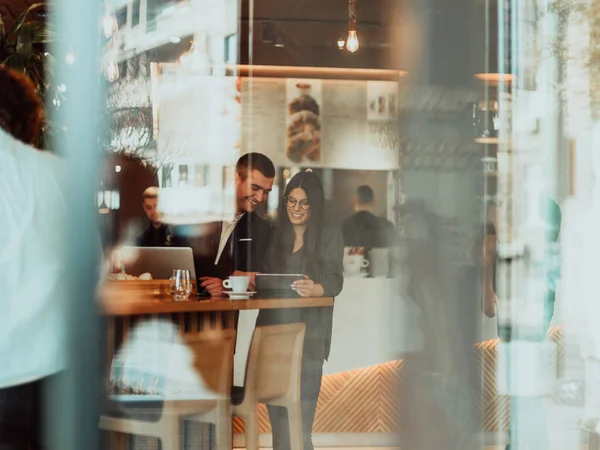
(275, 361)
(213, 358)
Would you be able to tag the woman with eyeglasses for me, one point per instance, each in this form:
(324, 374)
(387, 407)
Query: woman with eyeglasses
(303, 243)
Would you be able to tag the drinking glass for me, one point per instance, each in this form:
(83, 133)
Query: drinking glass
(181, 285)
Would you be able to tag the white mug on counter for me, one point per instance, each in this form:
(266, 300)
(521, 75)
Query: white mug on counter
(353, 264)
(237, 283)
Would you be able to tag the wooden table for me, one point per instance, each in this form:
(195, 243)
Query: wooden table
(125, 303)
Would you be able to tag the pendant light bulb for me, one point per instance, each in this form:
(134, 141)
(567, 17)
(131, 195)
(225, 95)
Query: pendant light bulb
(352, 41)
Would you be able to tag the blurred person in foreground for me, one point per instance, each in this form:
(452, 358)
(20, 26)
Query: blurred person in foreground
(303, 243)
(33, 273)
(157, 233)
(551, 216)
(534, 434)
(239, 242)
(363, 228)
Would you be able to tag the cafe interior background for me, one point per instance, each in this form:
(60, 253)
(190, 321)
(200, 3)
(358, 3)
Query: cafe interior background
(444, 108)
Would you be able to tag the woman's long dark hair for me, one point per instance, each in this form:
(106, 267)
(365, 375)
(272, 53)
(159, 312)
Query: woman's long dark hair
(284, 239)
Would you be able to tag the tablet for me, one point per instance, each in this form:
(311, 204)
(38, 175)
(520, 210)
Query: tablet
(277, 284)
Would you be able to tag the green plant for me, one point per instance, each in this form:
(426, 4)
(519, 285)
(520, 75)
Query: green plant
(23, 48)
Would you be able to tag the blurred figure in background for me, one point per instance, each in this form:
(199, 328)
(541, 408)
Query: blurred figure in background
(157, 233)
(534, 434)
(551, 216)
(363, 228)
(33, 273)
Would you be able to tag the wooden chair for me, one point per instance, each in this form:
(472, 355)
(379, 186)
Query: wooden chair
(213, 360)
(272, 377)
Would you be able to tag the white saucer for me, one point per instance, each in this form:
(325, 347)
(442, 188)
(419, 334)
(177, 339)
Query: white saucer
(356, 275)
(239, 295)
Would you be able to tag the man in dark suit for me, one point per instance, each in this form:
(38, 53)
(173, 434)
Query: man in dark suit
(238, 243)
(363, 228)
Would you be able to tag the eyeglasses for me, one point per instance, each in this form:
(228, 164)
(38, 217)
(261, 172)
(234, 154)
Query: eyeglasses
(291, 202)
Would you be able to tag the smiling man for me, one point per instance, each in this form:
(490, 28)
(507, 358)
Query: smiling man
(242, 241)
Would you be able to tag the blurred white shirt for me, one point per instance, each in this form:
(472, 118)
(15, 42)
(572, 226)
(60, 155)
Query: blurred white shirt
(32, 263)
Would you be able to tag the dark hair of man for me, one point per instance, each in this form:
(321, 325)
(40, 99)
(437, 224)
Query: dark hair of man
(364, 195)
(284, 240)
(255, 161)
(20, 106)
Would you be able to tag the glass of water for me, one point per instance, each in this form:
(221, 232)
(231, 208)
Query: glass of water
(181, 285)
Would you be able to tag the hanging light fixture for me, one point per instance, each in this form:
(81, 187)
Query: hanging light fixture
(341, 43)
(352, 41)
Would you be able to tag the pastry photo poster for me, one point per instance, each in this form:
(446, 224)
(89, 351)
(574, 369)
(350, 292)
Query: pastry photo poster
(304, 124)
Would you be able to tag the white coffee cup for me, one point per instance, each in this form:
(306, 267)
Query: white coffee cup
(354, 263)
(237, 283)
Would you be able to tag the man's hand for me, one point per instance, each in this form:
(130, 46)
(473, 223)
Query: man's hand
(307, 288)
(213, 285)
(252, 275)
(489, 303)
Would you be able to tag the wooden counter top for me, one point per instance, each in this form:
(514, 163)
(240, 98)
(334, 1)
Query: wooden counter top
(131, 298)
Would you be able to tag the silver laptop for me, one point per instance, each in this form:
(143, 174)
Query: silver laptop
(160, 262)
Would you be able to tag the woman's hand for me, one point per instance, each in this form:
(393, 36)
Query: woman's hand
(307, 288)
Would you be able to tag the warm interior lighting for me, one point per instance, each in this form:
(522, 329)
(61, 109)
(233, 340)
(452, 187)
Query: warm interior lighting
(109, 25)
(341, 43)
(495, 78)
(331, 73)
(338, 73)
(487, 140)
(352, 42)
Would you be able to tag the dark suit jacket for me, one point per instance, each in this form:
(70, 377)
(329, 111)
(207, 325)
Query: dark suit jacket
(245, 250)
(364, 229)
(164, 236)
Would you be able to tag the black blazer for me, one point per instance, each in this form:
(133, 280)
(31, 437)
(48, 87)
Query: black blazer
(245, 250)
(164, 236)
(364, 229)
(319, 321)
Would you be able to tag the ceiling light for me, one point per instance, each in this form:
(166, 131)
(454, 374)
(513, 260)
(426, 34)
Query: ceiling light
(117, 168)
(352, 42)
(174, 39)
(279, 42)
(341, 43)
